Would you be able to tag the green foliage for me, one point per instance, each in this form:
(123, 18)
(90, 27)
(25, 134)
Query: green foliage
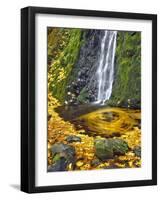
(127, 83)
(63, 48)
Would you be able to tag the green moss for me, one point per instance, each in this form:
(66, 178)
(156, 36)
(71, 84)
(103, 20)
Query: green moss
(127, 83)
(63, 47)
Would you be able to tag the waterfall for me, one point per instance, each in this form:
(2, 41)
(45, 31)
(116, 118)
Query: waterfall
(105, 71)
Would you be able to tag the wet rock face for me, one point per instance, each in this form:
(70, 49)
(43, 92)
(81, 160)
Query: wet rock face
(62, 155)
(108, 148)
(83, 81)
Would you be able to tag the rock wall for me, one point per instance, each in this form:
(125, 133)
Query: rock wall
(82, 84)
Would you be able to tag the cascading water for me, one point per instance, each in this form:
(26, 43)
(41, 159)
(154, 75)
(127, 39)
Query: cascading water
(105, 71)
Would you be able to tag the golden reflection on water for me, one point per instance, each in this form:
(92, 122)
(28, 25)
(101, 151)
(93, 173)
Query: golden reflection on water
(109, 122)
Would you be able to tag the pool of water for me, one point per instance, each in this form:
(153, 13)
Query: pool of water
(101, 120)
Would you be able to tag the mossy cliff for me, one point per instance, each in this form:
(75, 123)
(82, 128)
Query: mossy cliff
(63, 50)
(127, 82)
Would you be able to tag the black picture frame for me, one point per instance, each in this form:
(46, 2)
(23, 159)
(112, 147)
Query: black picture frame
(28, 98)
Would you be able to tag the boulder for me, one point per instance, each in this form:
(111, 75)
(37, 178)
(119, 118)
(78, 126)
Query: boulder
(62, 154)
(63, 148)
(95, 162)
(120, 147)
(103, 149)
(108, 148)
(137, 151)
(73, 138)
(59, 165)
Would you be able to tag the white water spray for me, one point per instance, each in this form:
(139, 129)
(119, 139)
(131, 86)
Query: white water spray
(105, 71)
